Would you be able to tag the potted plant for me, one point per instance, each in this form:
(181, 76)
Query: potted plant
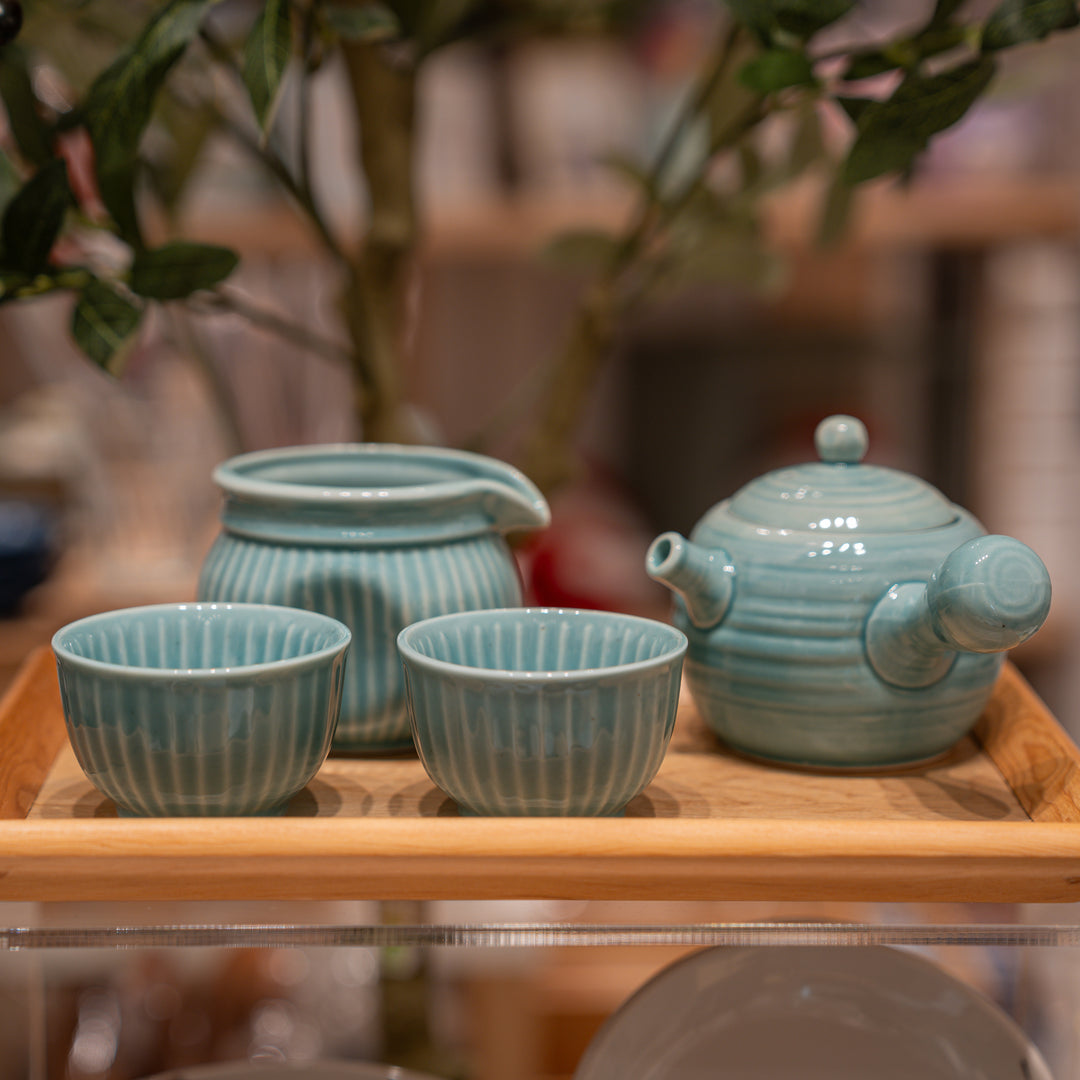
(79, 163)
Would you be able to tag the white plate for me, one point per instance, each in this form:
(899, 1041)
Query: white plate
(809, 1013)
(315, 1070)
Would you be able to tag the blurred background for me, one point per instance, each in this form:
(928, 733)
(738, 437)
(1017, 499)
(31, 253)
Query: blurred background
(947, 317)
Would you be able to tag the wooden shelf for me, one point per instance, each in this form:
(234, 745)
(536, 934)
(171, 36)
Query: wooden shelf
(998, 819)
(943, 211)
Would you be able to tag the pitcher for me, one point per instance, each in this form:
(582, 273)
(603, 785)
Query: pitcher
(378, 536)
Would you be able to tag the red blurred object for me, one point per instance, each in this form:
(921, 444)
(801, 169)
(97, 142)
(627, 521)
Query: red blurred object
(593, 554)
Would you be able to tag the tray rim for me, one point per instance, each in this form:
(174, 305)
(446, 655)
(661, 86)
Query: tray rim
(527, 858)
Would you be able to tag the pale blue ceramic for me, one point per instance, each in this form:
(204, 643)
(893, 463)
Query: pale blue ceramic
(201, 709)
(846, 615)
(541, 711)
(375, 535)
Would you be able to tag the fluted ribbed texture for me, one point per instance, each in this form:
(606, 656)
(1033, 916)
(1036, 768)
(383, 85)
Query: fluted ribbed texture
(166, 729)
(376, 592)
(581, 736)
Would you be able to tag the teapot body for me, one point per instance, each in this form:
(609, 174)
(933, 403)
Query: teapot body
(378, 537)
(784, 674)
(844, 615)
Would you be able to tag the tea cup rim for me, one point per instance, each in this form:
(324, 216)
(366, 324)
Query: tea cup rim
(133, 671)
(673, 653)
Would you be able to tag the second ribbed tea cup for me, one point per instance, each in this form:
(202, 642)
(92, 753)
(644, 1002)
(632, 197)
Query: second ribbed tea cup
(542, 711)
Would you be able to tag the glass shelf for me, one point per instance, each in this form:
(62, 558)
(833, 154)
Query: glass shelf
(533, 935)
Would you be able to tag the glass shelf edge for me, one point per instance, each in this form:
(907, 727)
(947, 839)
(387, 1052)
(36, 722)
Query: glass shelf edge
(533, 935)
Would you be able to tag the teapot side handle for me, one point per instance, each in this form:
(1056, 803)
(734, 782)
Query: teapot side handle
(988, 595)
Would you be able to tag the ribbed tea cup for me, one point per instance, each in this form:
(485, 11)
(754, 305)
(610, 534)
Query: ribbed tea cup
(201, 709)
(541, 711)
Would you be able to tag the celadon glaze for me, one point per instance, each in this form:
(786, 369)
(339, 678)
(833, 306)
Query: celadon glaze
(542, 711)
(201, 709)
(378, 536)
(846, 615)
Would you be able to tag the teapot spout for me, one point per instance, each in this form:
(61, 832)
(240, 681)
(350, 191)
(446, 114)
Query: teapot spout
(703, 577)
(989, 595)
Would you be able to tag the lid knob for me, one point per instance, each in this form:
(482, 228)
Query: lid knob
(841, 439)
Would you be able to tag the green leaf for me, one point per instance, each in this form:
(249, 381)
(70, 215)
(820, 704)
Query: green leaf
(724, 257)
(10, 181)
(408, 13)
(836, 212)
(176, 270)
(854, 106)
(805, 148)
(117, 190)
(103, 323)
(266, 58)
(891, 133)
(906, 53)
(584, 249)
(1015, 21)
(10, 282)
(731, 100)
(441, 21)
(934, 41)
(751, 167)
(34, 217)
(188, 130)
(706, 211)
(371, 22)
(868, 64)
(803, 18)
(807, 142)
(121, 100)
(777, 69)
(21, 104)
(15, 285)
(633, 172)
(944, 10)
(119, 104)
(806, 17)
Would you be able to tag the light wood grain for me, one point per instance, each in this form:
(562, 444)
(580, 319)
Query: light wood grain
(31, 733)
(712, 826)
(513, 859)
(1035, 755)
(698, 779)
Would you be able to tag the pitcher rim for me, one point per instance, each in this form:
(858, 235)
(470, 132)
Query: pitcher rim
(228, 477)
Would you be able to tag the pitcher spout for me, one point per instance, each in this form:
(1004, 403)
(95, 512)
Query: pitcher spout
(703, 577)
(513, 502)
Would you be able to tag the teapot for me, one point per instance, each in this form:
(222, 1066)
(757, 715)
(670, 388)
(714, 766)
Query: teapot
(846, 615)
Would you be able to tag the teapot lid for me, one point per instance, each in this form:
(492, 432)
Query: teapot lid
(839, 493)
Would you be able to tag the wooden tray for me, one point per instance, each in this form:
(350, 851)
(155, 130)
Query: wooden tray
(997, 819)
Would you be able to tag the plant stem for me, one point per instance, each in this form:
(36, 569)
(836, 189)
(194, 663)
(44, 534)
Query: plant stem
(228, 301)
(548, 455)
(744, 123)
(266, 155)
(304, 104)
(689, 112)
(189, 342)
(376, 279)
(375, 299)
